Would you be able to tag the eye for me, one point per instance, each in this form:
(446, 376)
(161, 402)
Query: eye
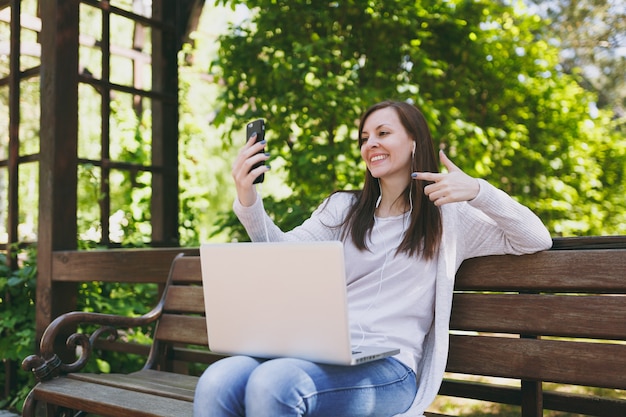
(383, 133)
(364, 139)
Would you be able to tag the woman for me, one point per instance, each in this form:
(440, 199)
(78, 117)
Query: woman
(405, 235)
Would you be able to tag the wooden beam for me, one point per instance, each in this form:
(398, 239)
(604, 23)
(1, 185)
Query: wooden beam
(14, 132)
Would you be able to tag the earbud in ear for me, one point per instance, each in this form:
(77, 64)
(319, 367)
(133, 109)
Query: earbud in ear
(413, 151)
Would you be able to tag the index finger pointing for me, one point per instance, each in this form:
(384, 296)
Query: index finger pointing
(426, 176)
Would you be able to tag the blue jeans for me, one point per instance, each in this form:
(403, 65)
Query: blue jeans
(243, 386)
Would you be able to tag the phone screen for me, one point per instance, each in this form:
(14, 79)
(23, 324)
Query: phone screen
(257, 126)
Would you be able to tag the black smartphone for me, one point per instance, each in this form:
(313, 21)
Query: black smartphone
(257, 126)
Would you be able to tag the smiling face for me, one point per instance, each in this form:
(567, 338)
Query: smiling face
(386, 147)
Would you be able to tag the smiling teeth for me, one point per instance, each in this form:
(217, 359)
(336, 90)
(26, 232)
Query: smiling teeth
(378, 158)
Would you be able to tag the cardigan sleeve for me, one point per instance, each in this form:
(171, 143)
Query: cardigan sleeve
(493, 223)
(324, 223)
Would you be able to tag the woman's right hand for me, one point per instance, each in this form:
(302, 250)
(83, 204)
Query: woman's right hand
(252, 153)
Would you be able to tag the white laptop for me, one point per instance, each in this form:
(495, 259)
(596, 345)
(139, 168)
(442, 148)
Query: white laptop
(283, 299)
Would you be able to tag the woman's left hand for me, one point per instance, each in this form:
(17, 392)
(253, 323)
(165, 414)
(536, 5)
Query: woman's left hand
(450, 187)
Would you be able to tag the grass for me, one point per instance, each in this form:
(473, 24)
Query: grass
(474, 408)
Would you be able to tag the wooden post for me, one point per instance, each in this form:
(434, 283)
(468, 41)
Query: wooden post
(532, 391)
(58, 154)
(532, 399)
(165, 125)
(10, 369)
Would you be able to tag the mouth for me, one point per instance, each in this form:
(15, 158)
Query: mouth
(378, 158)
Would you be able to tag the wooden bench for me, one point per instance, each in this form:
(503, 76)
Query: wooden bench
(557, 316)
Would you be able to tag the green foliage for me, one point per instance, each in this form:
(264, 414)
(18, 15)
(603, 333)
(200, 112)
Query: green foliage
(591, 34)
(514, 119)
(17, 320)
(483, 73)
(117, 298)
(122, 299)
(17, 298)
(205, 185)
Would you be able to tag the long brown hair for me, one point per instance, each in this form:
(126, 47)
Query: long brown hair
(424, 232)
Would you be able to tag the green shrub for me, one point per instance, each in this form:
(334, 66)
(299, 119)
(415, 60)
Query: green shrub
(123, 299)
(17, 322)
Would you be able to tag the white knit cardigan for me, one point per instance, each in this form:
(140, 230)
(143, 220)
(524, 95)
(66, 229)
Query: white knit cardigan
(491, 224)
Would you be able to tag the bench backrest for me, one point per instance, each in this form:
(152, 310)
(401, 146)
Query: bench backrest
(557, 316)
(181, 333)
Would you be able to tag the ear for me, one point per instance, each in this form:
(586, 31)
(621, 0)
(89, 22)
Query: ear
(413, 151)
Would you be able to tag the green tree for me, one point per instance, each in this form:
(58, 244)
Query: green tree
(482, 72)
(511, 116)
(592, 38)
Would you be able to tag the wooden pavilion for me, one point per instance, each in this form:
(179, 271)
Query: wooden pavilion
(53, 59)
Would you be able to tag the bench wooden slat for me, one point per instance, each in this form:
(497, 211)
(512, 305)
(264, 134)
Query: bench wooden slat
(484, 392)
(588, 242)
(579, 363)
(115, 265)
(184, 299)
(551, 271)
(599, 317)
(195, 355)
(187, 270)
(182, 329)
(163, 384)
(172, 378)
(109, 401)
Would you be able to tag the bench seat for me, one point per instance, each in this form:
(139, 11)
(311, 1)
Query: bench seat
(146, 393)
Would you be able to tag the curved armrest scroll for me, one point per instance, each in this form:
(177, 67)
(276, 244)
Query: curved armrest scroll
(48, 365)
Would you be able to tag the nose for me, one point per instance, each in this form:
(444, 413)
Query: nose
(372, 142)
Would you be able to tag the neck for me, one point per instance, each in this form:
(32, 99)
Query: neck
(391, 203)
(393, 210)
(392, 206)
